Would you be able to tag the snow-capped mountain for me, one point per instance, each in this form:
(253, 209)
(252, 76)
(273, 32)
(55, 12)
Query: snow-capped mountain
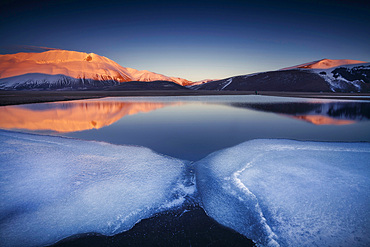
(319, 76)
(352, 77)
(69, 69)
(61, 69)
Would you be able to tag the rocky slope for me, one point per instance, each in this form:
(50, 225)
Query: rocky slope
(319, 76)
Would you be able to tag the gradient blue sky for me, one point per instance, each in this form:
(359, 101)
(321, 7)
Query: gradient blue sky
(192, 39)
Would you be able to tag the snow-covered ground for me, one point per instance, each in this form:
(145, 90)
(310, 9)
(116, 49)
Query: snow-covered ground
(290, 193)
(53, 187)
(276, 192)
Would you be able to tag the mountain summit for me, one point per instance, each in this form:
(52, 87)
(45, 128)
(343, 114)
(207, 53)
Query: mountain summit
(325, 64)
(59, 68)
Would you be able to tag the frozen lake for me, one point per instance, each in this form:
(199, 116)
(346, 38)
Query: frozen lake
(280, 171)
(192, 127)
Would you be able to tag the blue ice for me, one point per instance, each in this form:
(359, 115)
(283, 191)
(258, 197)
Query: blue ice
(290, 193)
(53, 187)
(275, 192)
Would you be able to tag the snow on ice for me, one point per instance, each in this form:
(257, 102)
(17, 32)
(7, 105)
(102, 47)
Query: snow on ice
(53, 187)
(275, 192)
(290, 193)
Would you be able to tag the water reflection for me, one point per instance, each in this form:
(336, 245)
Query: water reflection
(85, 115)
(335, 113)
(191, 128)
(71, 116)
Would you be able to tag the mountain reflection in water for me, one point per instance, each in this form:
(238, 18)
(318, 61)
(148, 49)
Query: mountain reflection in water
(336, 113)
(71, 116)
(84, 115)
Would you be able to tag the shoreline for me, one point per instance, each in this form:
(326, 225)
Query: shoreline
(186, 226)
(29, 97)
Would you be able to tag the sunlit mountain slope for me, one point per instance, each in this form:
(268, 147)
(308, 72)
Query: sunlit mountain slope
(61, 69)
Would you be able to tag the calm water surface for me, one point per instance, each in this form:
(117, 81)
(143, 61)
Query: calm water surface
(193, 127)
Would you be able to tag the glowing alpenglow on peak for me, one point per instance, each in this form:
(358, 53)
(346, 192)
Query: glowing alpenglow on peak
(324, 64)
(71, 64)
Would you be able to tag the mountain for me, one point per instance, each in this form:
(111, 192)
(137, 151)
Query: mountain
(201, 82)
(61, 69)
(57, 69)
(319, 76)
(325, 64)
(140, 85)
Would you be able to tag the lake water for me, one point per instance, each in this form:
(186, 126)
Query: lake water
(192, 127)
(280, 171)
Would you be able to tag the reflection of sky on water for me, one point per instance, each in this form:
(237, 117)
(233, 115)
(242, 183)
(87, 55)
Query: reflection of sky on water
(192, 131)
(192, 127)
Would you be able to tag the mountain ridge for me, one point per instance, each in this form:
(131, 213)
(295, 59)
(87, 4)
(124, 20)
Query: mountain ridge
(324, 64)
(323, 75)
(72, 70)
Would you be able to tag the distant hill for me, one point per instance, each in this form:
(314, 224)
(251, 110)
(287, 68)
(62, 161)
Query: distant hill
(325, 64)
(318, 76)
(139, 85)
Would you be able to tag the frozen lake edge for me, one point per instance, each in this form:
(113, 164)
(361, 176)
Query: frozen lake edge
(28, 154)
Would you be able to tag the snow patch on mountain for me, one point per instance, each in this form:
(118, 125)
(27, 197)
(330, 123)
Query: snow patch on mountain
(343, 75)
(352, 77)
(226, 83)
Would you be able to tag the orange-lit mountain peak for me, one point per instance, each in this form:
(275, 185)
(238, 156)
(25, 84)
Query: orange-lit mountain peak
(330, 63)
(52, 56)
(325, 64)
(59, 62)
(75, 65)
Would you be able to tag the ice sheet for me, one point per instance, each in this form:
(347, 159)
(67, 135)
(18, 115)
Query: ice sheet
(276, 192)
(290, 193)
(53, 187)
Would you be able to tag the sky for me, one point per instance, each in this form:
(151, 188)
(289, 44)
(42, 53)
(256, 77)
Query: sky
(194, 40)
